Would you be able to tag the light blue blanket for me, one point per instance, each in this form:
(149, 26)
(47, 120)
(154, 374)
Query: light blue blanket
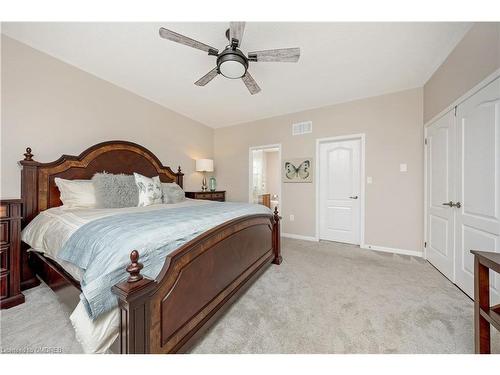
(102, 247)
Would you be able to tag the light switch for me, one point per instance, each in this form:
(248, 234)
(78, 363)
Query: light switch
(292, 217)
(369, 180)
(403, 167)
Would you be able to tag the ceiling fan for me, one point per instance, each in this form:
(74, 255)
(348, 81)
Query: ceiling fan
(232, 62)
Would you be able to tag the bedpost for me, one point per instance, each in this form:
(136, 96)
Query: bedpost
(133, 301)
(29, 196)
(180, 176)
(277, 237)
(29, 186)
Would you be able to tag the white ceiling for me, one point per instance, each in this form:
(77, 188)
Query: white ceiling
(339, 62)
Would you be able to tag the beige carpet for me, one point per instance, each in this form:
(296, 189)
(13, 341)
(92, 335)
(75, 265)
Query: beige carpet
(323, 298)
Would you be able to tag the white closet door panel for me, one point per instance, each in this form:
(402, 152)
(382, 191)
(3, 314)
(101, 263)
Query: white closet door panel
(478, 184)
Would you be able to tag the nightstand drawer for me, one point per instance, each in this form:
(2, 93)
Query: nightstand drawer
(4, 232)
(207, 195)
(4, 285)
(204, 196)
(4, 210)
(4, 259)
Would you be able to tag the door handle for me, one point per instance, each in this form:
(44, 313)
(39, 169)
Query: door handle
(451, 204)
(354, 197)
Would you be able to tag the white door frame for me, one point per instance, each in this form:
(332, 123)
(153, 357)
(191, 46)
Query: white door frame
(250, 171)
(485, 82)
(361, 137)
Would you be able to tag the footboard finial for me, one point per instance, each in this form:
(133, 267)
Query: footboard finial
(28, 156)
(276, 214)
(134, 268)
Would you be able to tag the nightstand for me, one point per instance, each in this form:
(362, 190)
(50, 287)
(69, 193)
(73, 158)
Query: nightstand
(10, 253)
(219, 196)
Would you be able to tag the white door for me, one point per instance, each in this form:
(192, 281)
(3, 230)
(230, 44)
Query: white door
(339, 190)
(478, 184)
(440, 159)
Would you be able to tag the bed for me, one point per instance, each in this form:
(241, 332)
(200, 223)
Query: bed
(196, 281)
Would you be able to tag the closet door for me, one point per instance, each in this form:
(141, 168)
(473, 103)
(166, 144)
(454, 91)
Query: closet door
(478, 184)
(440, 159)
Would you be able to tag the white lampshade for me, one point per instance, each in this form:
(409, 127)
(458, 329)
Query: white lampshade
(204, 165)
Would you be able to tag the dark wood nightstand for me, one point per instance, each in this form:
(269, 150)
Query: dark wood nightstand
(219, 196)
(10, 253)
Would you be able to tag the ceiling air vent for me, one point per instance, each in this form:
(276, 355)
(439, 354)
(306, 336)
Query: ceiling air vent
(302, 128)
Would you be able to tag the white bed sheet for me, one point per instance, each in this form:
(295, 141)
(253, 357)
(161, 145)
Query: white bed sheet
(48, 232)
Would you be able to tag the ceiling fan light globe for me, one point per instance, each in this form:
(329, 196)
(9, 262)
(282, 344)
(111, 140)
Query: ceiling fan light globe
(232, 69)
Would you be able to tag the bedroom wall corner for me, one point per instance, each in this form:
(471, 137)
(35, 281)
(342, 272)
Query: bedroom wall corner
(473, 59)
(56, 108)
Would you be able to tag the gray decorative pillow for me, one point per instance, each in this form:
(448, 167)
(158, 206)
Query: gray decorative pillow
(172, 193)
(115, 190)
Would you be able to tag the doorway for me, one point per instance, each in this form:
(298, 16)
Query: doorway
(265, 175)
(340, 189)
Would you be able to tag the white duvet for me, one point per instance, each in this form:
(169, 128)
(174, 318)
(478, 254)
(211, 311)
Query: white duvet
(48, 232)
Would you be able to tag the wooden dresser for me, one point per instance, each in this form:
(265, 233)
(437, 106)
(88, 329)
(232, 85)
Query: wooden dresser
(10, 253)
(219, 196)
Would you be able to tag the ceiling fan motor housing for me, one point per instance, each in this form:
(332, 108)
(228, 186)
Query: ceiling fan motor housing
(232, 63)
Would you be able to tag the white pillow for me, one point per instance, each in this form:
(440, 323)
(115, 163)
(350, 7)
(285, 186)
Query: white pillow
(149, 190)
(76, 193)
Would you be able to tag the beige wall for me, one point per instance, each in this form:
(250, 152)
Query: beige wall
(56, 108)
(393, 127)
(475, 57)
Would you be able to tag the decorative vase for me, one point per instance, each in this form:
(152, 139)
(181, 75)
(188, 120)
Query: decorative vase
(212, 183)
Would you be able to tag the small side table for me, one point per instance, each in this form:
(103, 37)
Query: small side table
(484, 314)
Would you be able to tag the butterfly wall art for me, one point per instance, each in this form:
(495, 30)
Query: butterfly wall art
(298, 170)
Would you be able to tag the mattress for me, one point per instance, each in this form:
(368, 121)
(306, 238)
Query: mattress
(49, 231)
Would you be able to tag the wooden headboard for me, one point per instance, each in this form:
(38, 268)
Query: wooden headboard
(39, 191)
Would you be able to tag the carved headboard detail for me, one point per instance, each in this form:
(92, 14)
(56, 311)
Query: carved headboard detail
(39, 191)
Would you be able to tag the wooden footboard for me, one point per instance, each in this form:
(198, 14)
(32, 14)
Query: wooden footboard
(197, 283)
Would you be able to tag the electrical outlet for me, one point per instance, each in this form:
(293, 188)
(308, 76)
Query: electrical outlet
(369, 180)
(403, 168)
(292, 217)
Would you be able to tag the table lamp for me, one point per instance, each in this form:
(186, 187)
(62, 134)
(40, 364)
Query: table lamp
(204, 165)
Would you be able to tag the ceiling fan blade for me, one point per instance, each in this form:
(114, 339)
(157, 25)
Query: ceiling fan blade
(275, 55)
(178, 38)
(250, 83)
(207, 77)
(236, 30)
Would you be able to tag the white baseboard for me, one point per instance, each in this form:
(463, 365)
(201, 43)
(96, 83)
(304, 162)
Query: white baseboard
(392, 250)
(363, 246)
(299, 237)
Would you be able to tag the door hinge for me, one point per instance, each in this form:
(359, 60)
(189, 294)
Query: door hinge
(425, 244)
(425, 141)
(456, 111)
